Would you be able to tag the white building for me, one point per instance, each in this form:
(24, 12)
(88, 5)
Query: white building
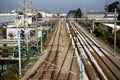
(47, 14)
(98, 15)
(63, 15)
(43, 13)
(29, 18)
(8, 17)
(14, 32)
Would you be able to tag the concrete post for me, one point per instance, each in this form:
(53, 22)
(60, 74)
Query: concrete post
(92, 25)
(114, 53)
(81, 69)
(19, 53)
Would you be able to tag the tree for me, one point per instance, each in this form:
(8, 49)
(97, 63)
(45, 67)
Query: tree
(11, 35)
(119, 15)
(75, 13)
(32, 33)
(39, 15)
(20, 13)
(78, 13)
(118, 38)
(22, 34)
(4, 32)
(71, 13)
(112, 6)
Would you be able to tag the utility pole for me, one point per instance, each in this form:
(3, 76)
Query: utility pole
(47, 29)
(84, 7)
(19, 53)
(25, 23)
(24, 13)
(41, 40)
(19, 42)
(36, 29)
(106, 8)
(93, 25)
(114, 53)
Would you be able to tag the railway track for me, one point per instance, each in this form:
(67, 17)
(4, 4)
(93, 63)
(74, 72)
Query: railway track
(103, 65)
(54, 65)
(50, 59)
(90, 70)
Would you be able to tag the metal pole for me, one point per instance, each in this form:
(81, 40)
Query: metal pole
(106, 6)
(93, 25)
(24, 12)
(19, 53)
(84, 6)
(25, 23)
(114, 53)
(81, 70)
(37, 29)
(41, 39)
(31, 4)
(47, 30)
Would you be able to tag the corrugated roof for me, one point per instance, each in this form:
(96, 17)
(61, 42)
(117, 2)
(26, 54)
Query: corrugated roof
(111, 25)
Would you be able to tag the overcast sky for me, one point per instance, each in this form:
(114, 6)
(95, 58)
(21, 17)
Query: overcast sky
(57, 6)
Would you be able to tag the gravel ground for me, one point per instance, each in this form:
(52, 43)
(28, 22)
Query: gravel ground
(63, 46)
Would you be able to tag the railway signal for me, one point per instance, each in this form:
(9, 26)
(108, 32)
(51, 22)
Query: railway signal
(22, 34)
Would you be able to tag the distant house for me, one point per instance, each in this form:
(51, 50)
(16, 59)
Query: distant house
(29, 10)
(63, 15)
(46, 14)
(43, 13)
(29, 18)
(50, 15)
(7, 17)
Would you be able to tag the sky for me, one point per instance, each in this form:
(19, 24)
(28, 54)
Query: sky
(56, 6)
